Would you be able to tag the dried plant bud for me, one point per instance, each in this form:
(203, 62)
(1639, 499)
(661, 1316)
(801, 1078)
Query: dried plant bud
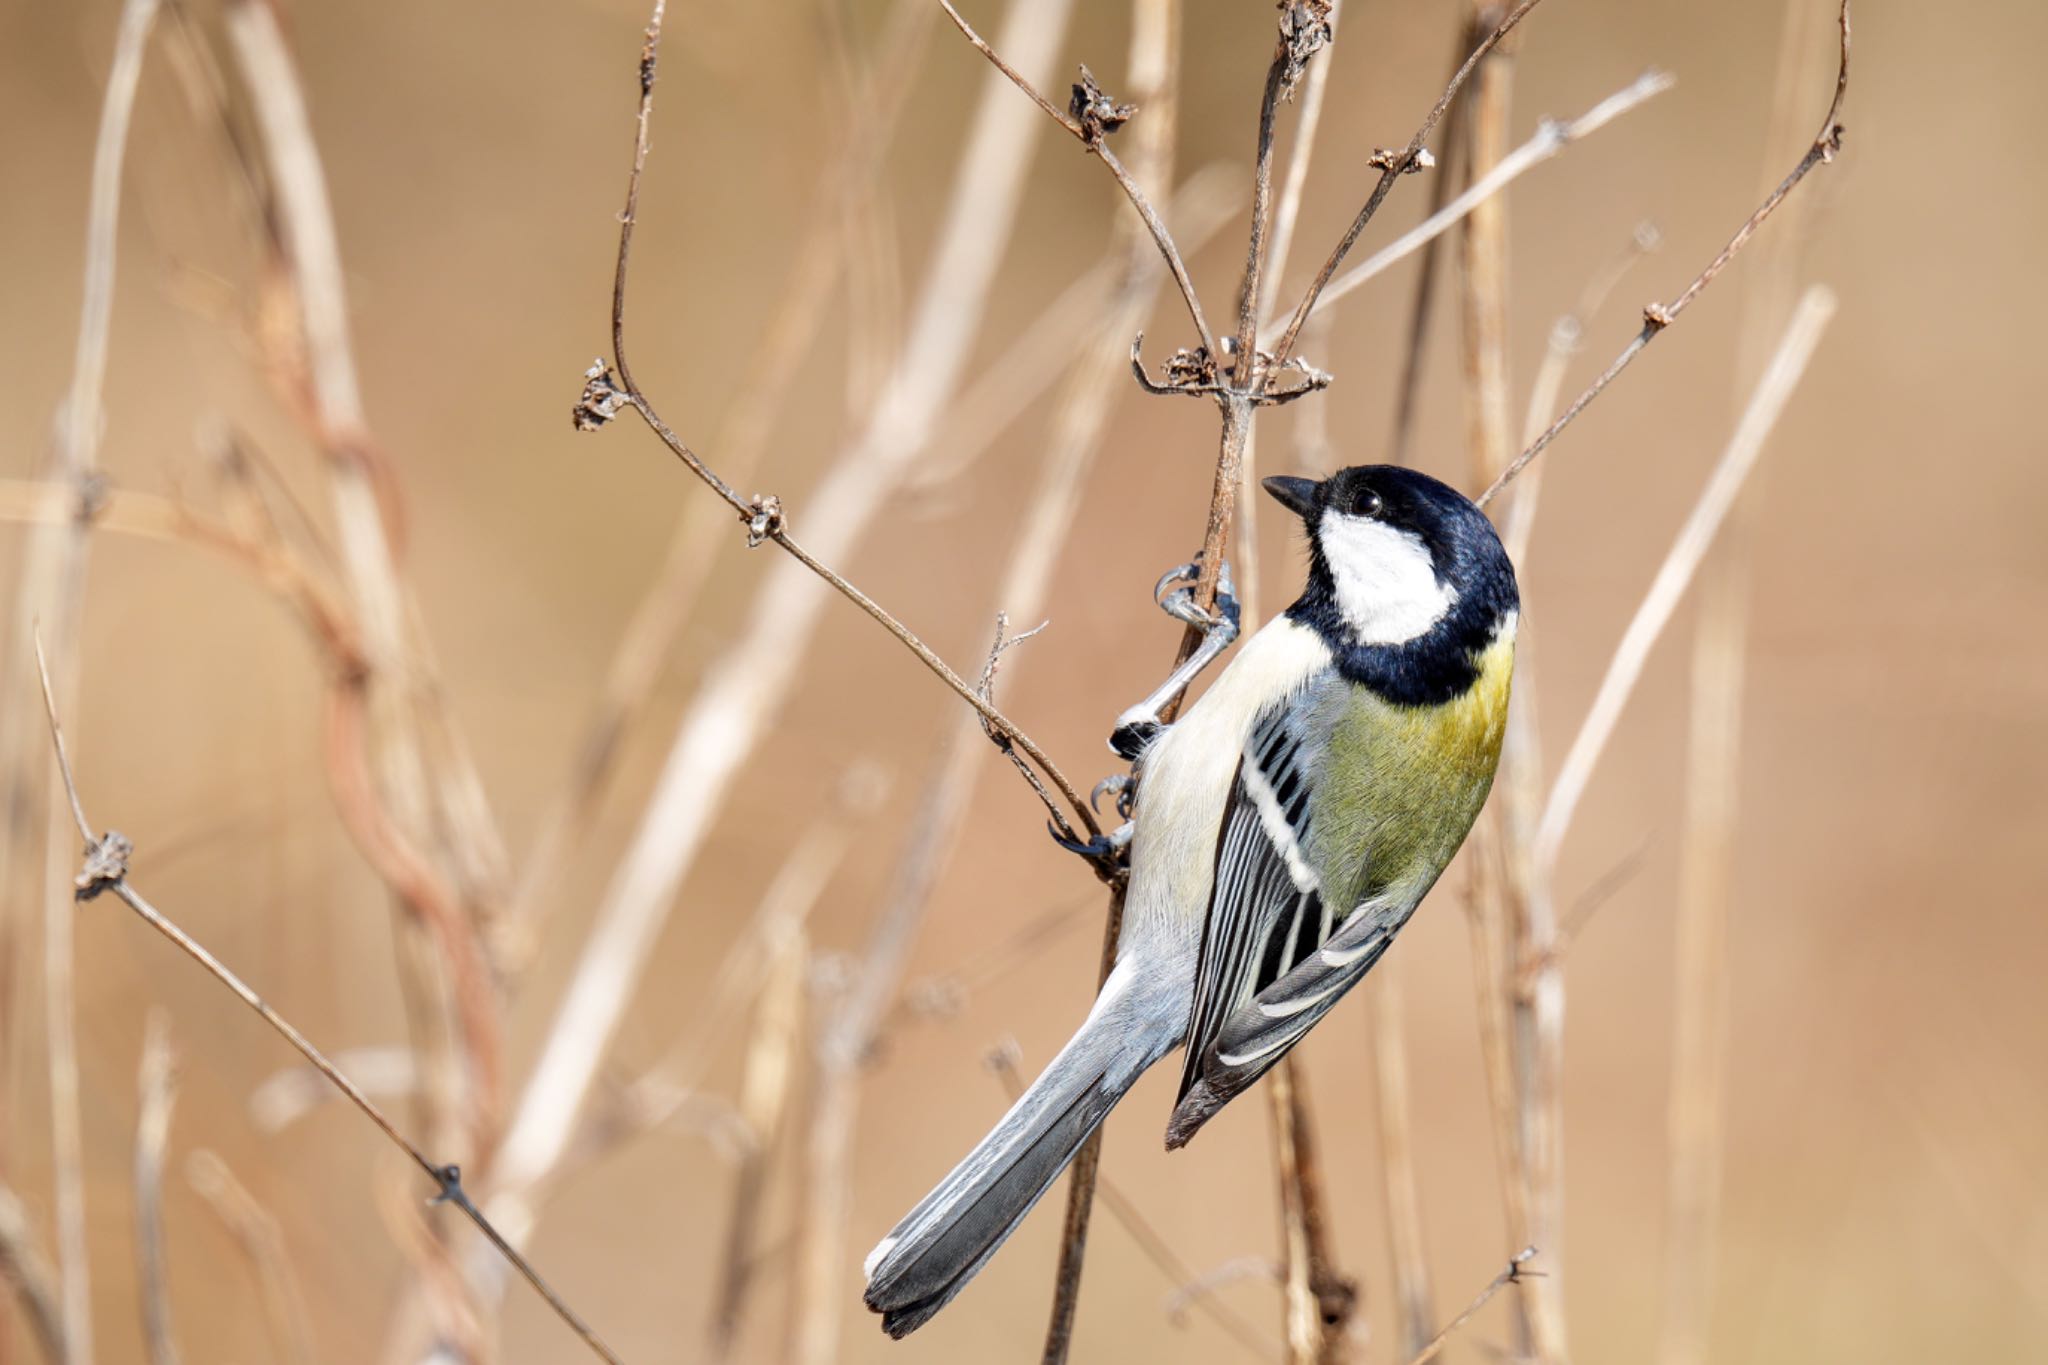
(766, 520)
(106, 862)
(602, 398)
(1189, 367)
(1095, 111)
(1391, 159)
(1304, 31)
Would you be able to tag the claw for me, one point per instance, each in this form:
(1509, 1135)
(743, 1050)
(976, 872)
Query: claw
(1120, 784)
(1180, 602)
(1101, 846)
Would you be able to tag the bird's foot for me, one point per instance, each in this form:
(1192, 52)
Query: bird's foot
(1175, 594)
(1102, 847)
(1122, 785)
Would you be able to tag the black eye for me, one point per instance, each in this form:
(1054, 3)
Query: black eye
(1368, 504)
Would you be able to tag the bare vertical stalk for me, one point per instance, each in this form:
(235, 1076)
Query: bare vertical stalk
(773, 1052)
(51, 589)
(1524, 1032)
(1698, 1104)
(157, 1085)
(34, 1285)
(395, 761)
(1319, 1299)
(1406, 1246)
(256, 1232)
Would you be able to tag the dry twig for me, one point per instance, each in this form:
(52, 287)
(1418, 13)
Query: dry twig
(1658, 316)
(1680, 563)
(105, 871)
(1514, 1274)
(742, 688)
(51, 588)
(1550, 139)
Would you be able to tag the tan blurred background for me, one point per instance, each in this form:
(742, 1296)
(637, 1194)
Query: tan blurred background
(1885, 1194)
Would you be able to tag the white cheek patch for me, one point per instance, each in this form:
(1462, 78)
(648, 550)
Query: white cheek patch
(1386, 582)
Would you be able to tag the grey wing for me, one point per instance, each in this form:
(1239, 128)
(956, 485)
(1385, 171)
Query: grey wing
(1267, 916)
(1259, 1032)
(1274, 960)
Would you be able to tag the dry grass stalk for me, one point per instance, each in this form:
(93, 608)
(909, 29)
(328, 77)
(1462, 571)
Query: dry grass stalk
(105, 871)
(774, 1053)
(1507, 922)
(262, 1242)
(869, 121)
(156, 1084)
(402, 778)
(1480, 199)
(742, 689)
(1320, 1300)
(1566, 340)
(1815, 307)
(1698, 1105)
(1406, 1246)
(1826, 144)
(34, 1284)
(51, 589)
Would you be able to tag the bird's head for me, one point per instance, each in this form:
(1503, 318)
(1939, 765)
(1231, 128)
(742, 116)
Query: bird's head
(1397, 557)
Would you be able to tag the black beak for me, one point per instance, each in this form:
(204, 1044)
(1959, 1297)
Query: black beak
(1296, 495)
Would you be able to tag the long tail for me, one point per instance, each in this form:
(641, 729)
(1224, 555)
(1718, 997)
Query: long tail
(937, 1248)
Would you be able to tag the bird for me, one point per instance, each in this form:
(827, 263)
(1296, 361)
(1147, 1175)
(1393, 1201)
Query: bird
(1283, 831)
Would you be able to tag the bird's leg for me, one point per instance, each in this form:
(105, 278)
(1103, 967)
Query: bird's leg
(1141, 724)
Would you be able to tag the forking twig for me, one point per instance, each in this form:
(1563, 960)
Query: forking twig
(1391, 169)
(764, 517)
(106, 871)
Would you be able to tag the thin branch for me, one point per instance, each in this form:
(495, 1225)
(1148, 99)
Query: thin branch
(1514, 1274)
(1092, 132)
(1551, 138)
(256, 1232)
(1802, 334)
(1567, 336)
(742, 689)
(1392, 167)
(157, 1085)
(24, 1268)
(764, 517)
(105, 871)
(1657, 317)
(1450, 167)
(667, 602)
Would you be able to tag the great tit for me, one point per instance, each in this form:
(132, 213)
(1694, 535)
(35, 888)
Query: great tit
(1284, 829)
